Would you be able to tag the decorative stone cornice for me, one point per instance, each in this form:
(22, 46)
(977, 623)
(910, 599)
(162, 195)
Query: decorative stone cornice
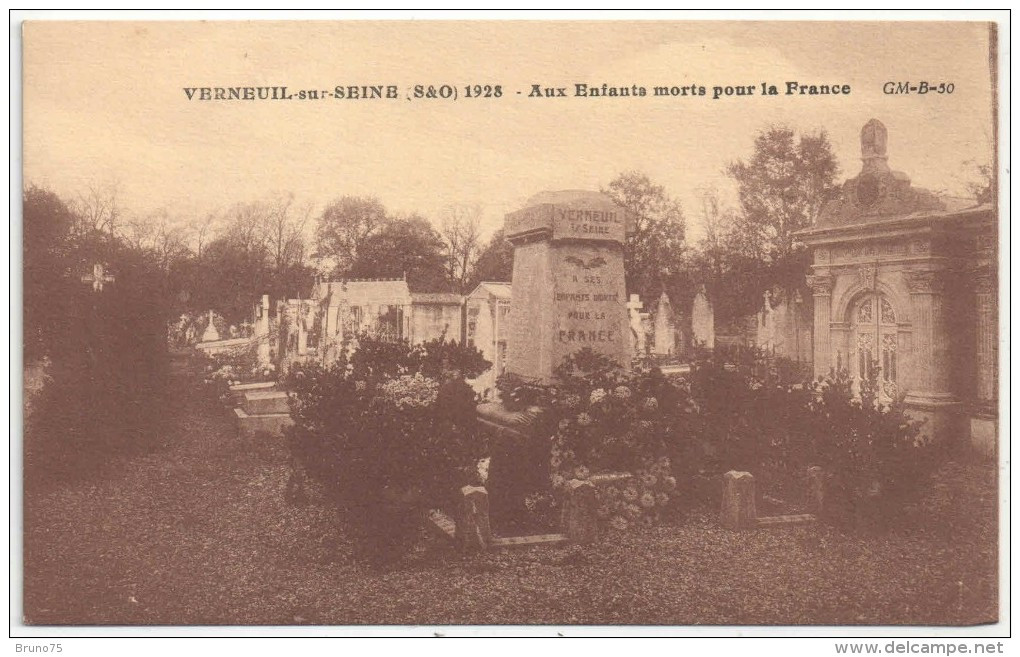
(821, 284)
(926, 282)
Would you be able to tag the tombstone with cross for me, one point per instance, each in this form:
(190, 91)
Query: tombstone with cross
(211, 334)
(98, 278)
(637, 328)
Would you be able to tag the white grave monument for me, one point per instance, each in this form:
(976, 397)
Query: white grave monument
(703, 320)
(210, 334)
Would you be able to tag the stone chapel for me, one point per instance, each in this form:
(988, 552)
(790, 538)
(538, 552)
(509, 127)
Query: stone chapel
(905, 281)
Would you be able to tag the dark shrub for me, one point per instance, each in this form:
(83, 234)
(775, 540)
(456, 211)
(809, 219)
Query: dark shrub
(873, 453)
(391, 432)
(106, 394)
(753, 414)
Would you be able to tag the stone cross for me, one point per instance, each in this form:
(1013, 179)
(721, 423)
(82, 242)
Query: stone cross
(211, 334)
(262, 332)
(634, 307)
(97, 278)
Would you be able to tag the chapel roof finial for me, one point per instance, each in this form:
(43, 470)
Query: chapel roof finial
(874, 139)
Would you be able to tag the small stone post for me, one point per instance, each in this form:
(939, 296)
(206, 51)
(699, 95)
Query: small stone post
(738, 510)
(473, 531)
(579, 515)
(262, 332)
(815, 489)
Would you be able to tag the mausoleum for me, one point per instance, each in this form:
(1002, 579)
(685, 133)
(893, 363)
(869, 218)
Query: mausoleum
(904, 283)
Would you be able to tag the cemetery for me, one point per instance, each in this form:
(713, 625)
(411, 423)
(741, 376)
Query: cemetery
(556, 448)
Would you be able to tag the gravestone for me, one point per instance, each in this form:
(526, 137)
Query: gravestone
(815, 489)
(568, 282)
(210, 334)
(703, 320)
(665, 327)
(302, 327)
(767, 323)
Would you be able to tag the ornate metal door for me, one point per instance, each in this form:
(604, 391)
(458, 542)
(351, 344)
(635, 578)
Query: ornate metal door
(875, 342)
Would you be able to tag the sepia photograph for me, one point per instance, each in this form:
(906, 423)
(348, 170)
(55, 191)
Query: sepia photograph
(683, 325)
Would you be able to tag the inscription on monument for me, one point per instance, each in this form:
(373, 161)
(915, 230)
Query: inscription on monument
(589, 298)
(568, 275)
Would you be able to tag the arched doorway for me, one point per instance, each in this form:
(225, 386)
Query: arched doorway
(874, 341)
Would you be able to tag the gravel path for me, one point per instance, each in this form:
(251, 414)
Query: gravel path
(200, 533)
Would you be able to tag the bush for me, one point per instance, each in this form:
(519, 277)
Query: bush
(876, 459)
(737, 410)
(391, 432)
(749, 411)
(754, 413)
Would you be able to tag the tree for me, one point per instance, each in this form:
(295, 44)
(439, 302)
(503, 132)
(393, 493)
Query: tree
(408, 247)
(982, 184)
(97, 210)
(285, 232)
(654, 251)
(246, 228)
(228, 278)
(721, 261)
(200, 231)
(48, 222)
(495, 260)
(461, 230)
(782, 189)
(343, 227)
(159, 236)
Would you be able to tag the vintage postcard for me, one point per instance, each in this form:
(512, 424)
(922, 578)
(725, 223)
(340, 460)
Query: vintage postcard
(564, 323)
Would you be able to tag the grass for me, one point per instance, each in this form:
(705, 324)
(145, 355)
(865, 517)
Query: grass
(200, 533)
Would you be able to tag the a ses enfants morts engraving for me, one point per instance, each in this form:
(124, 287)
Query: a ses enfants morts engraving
(569, 290)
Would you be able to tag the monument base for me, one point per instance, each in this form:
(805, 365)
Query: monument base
(984, 431)
(942, 415)
(519, 465)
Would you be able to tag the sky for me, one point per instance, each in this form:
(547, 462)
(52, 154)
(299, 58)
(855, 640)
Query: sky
(104, 104)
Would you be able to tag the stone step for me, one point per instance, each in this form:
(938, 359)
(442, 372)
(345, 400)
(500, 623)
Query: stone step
(266, 402)
(442, 525)
(237, 391)
(783, 521)
(524, 541)
(269, 423)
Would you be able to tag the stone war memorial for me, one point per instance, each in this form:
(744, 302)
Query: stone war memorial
(568, 275)
(568, 293)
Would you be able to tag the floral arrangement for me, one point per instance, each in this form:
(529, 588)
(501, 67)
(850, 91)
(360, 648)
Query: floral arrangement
(407, 391)
(639, 499)
(604, 422)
